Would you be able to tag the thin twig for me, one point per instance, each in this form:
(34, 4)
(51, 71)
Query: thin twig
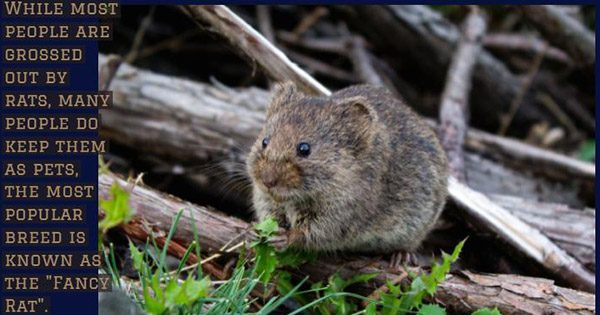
(321, 67)
(309, 20)
(139, 36)
(170, 43)
(527, 43)
(263, 15)
(362, 63)
(107, 71)
(564, 31)
(335, 45)
(558, 113)
(507, 118)
(455, 98)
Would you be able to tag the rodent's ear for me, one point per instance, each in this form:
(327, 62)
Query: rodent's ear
(283, 93)
(360, 115)
(359, 108)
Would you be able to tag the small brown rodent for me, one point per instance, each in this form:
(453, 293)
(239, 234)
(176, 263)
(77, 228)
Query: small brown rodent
(355, 171)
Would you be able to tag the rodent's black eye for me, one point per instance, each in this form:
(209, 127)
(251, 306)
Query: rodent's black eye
(265, 142)
(303, 149)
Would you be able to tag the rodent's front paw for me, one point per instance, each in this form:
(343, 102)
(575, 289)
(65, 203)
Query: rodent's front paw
(287, 238)
(279, 241)
(296, 237)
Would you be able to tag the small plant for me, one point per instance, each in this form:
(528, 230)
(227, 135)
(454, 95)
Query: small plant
(116, 209)
(398, 301)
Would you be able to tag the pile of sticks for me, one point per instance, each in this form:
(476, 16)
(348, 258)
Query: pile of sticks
(182, 122)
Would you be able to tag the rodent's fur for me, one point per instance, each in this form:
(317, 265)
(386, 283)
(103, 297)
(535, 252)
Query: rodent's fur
(375, 179)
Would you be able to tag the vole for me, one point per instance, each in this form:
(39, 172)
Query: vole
(355, 171)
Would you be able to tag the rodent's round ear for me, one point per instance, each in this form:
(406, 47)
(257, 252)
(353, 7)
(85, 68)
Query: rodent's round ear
(358, 107)
(283, 93)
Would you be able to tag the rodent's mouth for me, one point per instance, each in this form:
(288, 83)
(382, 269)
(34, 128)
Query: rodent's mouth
(280, 194)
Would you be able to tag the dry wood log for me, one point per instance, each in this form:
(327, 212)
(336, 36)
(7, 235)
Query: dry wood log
(564, 31)
(461, 292)
(517, 182)
(572, 229)
(423, 41)
(454, 107)
(474, 206)
(257, 48)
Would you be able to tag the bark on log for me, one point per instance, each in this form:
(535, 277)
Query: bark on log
(572, 229)
(563, 31)
(454, 107)
(462, 292)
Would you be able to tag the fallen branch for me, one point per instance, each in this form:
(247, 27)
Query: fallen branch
(464, 291)
(455, 98)
(253, 45)
(525, 43)
(563, 31)
(535, 158)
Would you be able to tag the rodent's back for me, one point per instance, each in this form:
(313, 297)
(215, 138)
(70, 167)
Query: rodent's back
(417, 171)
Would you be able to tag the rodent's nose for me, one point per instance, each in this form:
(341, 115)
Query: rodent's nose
(269, 178)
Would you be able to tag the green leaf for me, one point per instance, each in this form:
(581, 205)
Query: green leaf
(136, 256)
(439, 271)
(363, 277)
(152, 305)
(371, 309)
(116, 209)
(197, 289)
(587, 151)
(266, 261)
(431, 309)
(486, 311)
(292, 257)
(267, 227)
(174, 293)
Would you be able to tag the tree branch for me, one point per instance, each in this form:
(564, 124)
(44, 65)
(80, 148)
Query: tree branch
(454, 108)
(563, 31)
(253, 45)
